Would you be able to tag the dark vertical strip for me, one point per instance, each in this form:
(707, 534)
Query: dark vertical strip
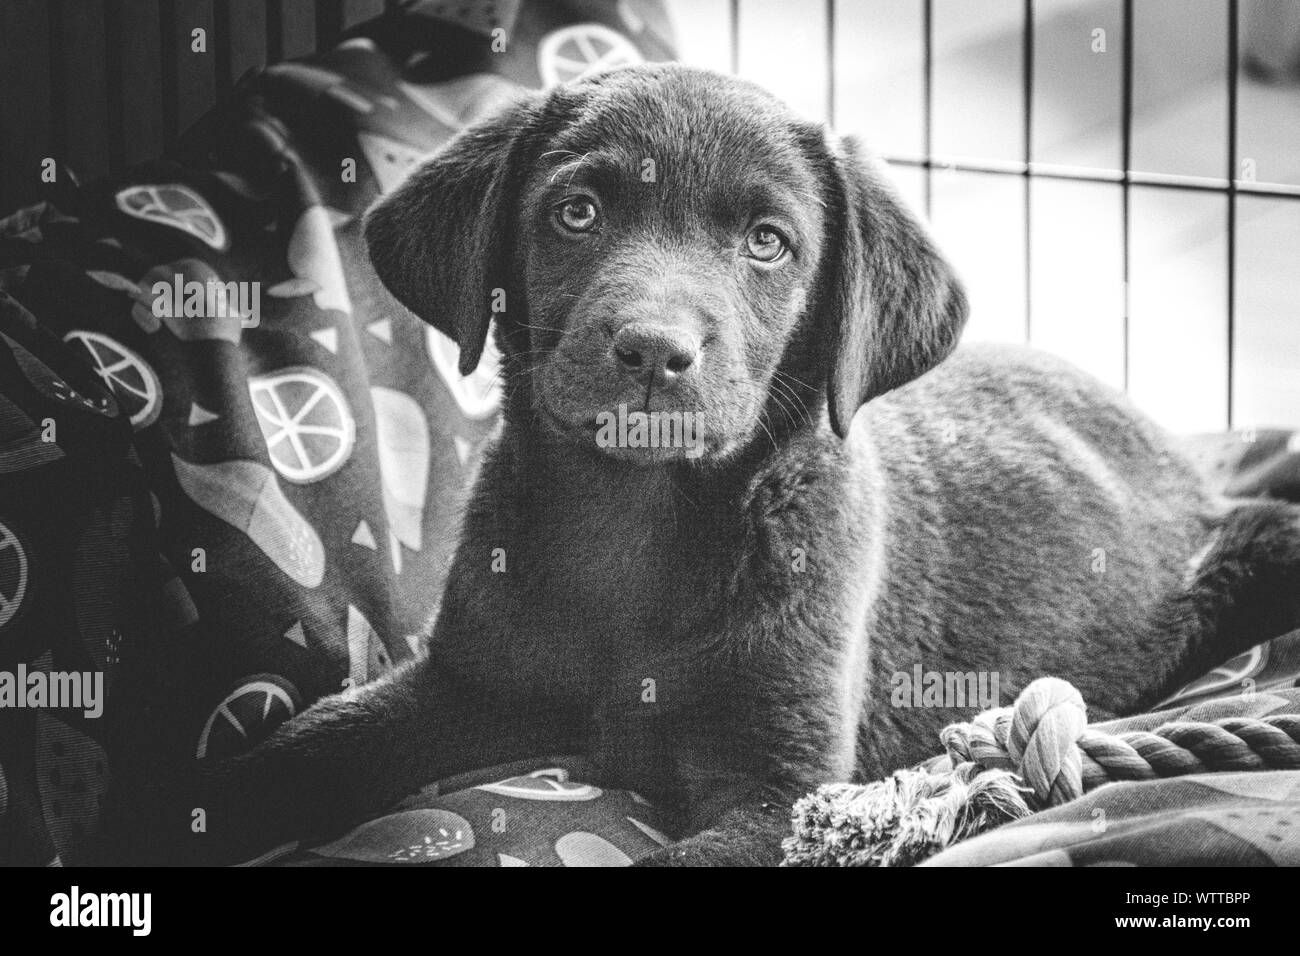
(359, 11)
(830, 64)
(167, 31)
(298, 26)
(58, 75)
(115, 104)
(1027, 94)
(1126, 163)
(25, 129)
(1233, 67)
(138, 76)
(274, 32)
(735, 36)
(194, 71)
(245, 34)
(220, 45)
(329, 23)
(927, 107)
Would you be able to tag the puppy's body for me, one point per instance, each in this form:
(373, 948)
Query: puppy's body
(1035, 524)
(721, 634)
(960, 527)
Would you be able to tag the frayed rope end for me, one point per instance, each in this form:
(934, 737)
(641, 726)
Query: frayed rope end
(902, 820)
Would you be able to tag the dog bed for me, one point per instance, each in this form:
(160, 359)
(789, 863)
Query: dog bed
(231, 517)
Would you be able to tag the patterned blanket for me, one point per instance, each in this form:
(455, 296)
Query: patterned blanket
(230, 464)
(1207, 819)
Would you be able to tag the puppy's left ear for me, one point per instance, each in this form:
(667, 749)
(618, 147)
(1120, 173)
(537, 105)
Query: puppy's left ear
(892, 305)
(442, 242)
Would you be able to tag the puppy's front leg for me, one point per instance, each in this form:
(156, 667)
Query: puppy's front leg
(347, 756)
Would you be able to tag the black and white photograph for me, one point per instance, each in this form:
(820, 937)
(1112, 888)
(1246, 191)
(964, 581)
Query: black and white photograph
(650, 433)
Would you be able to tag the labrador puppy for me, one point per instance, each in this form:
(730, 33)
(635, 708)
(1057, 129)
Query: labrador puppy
(717, 618)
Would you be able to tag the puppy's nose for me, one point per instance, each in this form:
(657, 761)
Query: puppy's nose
(655, 353)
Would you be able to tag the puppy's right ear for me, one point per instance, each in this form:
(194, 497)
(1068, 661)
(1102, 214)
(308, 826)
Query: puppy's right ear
(442, 241)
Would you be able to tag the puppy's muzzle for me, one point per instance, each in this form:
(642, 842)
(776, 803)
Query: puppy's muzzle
(656, 354)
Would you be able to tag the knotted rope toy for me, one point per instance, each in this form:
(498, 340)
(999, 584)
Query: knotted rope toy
(1010, 762)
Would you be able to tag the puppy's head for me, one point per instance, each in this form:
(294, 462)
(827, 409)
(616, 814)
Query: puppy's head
(667, 247)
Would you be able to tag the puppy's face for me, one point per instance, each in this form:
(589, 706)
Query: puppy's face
(669, 237)
(676, 264)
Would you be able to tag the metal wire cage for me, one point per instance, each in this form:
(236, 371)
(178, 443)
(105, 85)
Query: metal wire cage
(1117, 179)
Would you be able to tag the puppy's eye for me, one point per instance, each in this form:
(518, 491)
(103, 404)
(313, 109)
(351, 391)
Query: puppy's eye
(577, 214)
(765, 244)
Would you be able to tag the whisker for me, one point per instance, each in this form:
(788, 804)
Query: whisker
(786, 409)
(792, 405)
(763, 425)
(577, 166)
(786, 398)
(796, 380)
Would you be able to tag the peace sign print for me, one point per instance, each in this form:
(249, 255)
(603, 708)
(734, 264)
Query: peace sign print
(134, 383)
(305, 420)
(13, 575)
(1231, 674)
(578, 51)
(177, 206)
(550, 784)
(246, 715)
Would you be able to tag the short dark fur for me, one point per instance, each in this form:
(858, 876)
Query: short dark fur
(955, 524)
